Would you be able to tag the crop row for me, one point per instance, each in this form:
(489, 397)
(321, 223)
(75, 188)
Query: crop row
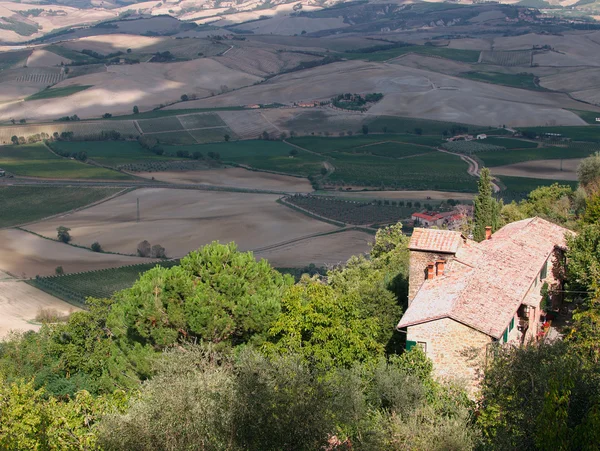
(470, 147)
(352, 212)
(102, 283)
(500, 58)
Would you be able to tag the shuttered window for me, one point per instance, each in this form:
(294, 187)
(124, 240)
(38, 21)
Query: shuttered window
(505, 336)
(544, 271)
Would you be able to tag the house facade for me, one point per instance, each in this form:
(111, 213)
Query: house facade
(464, 295)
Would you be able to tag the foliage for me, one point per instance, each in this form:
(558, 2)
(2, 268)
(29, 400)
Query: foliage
(63, 234)
(31, 421)
(253, 402)
(217, 294)
(553, 203)
(538, 397)
(583, 269)
(486, 208)
(589, 173)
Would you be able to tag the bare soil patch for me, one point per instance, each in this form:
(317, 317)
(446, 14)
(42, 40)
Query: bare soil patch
(323, 250)
(26, 255)
(234, 177)
(20, 303)
(184, 220)
(44, 58)
(541, 169)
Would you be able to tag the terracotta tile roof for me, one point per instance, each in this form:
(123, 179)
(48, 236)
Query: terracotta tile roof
(432, 240)
(427, 216)
(488, 281)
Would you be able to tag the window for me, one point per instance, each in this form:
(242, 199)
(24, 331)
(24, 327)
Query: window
(422, 345)
(544, 271)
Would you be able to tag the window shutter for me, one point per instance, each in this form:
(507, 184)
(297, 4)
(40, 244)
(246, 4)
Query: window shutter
(410, 344)
(505, 336)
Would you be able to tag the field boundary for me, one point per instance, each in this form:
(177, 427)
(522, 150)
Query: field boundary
(74, 210)
(310, 214)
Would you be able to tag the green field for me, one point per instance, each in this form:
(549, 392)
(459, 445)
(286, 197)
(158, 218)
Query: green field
(576, 133)
(434, 170)
(212, 135)
(176, 138)
(264, 155)
(202, 120)
(70, 54)
(503, 157)
(395, 124)
(523, 186)
(51, 93)
(467, 56)
(392, 150)
(35, 160)
(13, 59)
(524, 81)
(111, 153)
(588, 116)
(328, 145)
(22, 204)
(154, 114)
(76, 288)
(510, 143)
(165, 124)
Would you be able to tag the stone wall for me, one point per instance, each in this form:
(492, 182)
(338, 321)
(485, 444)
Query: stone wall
(457, 351)
(418, 269)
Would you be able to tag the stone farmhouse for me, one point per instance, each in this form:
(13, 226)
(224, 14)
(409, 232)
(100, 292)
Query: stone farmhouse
(464, 296)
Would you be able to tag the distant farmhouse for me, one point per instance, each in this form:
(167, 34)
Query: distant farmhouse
(448, 219)
(2, 172)
(464, 296)
(482, 136)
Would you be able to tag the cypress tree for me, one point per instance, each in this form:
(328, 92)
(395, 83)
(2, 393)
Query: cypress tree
(486, 208)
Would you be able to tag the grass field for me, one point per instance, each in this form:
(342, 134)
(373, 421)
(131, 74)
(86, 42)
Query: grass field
(70, 54)
(394, 124)
(392, 150)
(51, 93)
(212, 135)
(576, 133)
(154, 114)
(510, 143)
(202, 120)
(328, 145)
(504, 157)
(102, 283)
(264, 155)
(588, 116)
(519, 187)
(165, 124)
(22, 204)
(13, 59)
(467, 56)
(524, 80)
(437, 171)
(111, 153)
(35, 160)
(175, 138)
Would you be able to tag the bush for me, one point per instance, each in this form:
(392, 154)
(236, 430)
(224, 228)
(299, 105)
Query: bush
(144, 249)
(63, 234)
(96, 247)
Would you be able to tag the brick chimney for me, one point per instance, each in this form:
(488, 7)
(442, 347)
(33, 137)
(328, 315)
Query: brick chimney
(439, 267)
(488, 232)
(430, 271)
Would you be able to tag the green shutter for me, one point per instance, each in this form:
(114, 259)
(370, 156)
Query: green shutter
(410, 344)
(544, 272)
(505, 336)
(512, 324)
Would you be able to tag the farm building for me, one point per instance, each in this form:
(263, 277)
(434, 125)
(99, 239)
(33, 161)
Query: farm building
(439, 219)
(465, 296)
(253, 106)
(311, 104)
(2, 172)
(482, 136)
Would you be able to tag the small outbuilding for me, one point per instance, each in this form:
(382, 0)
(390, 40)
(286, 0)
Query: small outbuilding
(482, 136)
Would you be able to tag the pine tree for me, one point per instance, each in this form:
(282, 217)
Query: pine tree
(486, 208)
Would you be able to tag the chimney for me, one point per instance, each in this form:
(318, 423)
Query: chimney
(488, 232)
(430, 271)
(439, 267)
